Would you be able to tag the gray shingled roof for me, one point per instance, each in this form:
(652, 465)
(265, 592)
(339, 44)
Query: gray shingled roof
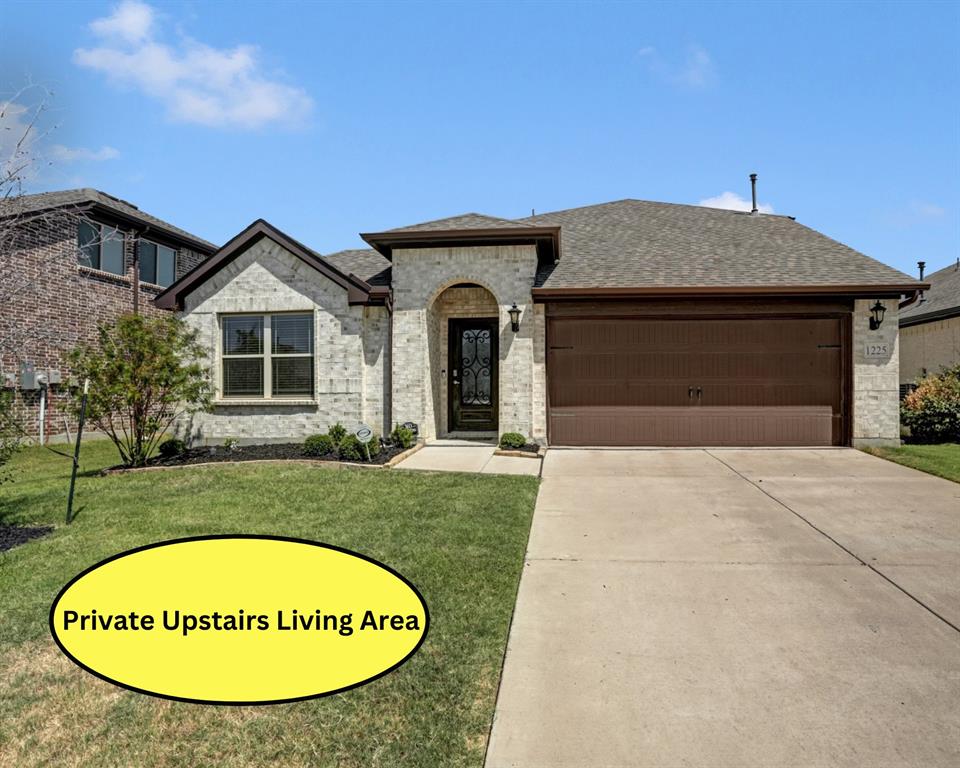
(942, 298)
(635, 243)
(463, 221)
(365, 263)
(77, 197)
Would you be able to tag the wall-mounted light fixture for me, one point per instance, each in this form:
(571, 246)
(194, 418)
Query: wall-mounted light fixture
(514, 317)
(876, 312)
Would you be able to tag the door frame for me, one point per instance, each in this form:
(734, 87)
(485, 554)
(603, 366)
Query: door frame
(453, 338)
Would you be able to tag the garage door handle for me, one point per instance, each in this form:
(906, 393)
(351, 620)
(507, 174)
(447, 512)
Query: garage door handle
(699, 393)
(690, 393)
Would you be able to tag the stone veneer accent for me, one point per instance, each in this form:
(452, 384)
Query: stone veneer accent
(351, 346)
(876, 397)
(928, 347)
(423, 302)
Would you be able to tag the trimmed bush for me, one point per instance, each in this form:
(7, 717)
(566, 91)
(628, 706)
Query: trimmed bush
(319, 445)
(932, 410)
(403, 437)
(512, 441)
(338, 432)
(351, 449)
(172, 446)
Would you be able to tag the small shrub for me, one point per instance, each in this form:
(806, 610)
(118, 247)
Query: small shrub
(319, 445)
(231, 444)
(351, 449)
(171, 447)
(932, 410)
(512, 441)
(403, 437)
(337, 433)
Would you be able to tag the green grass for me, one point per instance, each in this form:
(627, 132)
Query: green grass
(942, 460)
(459, 538)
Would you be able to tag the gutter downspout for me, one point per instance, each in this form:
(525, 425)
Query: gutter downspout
(912, 300)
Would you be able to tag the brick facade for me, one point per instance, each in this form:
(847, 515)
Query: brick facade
(928, 347)
(51, 303)
(351, 362)
(876, 396)
(424, 299)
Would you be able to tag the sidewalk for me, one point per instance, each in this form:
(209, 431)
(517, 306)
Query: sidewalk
(468, 456)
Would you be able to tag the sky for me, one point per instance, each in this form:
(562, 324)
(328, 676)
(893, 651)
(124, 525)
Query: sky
(332, 119)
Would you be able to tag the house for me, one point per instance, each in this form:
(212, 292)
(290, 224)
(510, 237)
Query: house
(930, 328)
(625, 323)
(72, 260)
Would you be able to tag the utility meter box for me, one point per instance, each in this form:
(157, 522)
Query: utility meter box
(53, 376)
(28, 377)
(9, 380)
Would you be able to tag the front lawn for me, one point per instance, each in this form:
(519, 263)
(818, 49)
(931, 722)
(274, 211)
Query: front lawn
(459, 538)
(942, 460)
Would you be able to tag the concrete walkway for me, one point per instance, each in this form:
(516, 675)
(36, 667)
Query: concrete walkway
(734, 608)
(468, 456)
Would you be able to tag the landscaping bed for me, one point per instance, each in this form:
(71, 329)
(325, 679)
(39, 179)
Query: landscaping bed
(276, 451)
(14, 535)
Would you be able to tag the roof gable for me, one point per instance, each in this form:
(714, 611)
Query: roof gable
(359, 291)
(942, 300)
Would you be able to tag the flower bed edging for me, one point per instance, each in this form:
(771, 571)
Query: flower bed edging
(522, 454)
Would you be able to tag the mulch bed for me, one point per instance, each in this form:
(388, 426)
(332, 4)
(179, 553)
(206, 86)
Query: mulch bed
(273, 451)
(14, 535)
(532, 448)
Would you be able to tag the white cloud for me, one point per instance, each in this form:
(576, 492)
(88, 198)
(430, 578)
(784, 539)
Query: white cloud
(196, 83)
(24, 149)
(130, 21)
(925, 210)
(731, 201)
(82, 154)
(695, 70)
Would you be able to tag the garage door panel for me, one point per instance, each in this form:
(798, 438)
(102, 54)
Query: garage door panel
(628, 381)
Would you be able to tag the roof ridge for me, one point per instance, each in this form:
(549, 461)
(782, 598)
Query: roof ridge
(651, 202)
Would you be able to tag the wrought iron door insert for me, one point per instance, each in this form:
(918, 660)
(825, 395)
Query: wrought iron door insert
(472, 374)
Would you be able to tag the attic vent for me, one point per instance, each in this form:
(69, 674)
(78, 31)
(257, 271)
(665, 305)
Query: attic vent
(753, 190)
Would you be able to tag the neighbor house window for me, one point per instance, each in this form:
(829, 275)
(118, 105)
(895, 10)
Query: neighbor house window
(158, 263)
(101, 246)
(267, 356)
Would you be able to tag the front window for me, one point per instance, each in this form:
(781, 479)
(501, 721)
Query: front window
(100, 246)
(267, 356)
(158, 263)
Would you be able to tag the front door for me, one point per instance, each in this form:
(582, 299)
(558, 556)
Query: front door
(473, 375)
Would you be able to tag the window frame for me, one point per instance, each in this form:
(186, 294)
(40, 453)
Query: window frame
(114, 230)
(267, 355)
(156, 261)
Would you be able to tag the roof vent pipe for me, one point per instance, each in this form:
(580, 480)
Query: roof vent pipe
(922, 265)
(753, 189)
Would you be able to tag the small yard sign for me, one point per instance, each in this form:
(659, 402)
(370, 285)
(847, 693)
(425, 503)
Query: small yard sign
(363, 433)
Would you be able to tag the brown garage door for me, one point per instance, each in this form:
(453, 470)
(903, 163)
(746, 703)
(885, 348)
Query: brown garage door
(757, 381)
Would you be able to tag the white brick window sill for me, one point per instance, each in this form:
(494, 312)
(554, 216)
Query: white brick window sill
(262, 401)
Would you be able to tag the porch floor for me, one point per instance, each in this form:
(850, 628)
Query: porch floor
(458, 455)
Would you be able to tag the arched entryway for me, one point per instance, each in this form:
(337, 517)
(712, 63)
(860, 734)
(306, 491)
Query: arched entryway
(463, 336)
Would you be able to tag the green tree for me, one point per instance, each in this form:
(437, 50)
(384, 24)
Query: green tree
(144, 373)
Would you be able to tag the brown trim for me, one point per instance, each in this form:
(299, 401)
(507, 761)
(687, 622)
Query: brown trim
(846, 386)
(929, 317)
(621, 292)
(547, 239)
(358, 291)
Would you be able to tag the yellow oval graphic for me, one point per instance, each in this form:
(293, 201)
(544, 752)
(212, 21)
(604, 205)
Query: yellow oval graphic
(239, 619)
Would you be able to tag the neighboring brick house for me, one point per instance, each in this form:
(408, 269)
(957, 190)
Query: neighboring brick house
(72, 260)
(930, 328)
(626, 323)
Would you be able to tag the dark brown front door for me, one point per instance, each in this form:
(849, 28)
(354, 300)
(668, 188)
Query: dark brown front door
(473, 375)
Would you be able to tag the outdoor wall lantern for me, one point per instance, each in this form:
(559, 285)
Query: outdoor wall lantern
(877, 311)
(514, 317)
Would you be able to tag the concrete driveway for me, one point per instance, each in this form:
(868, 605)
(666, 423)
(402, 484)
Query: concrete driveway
(735, 608)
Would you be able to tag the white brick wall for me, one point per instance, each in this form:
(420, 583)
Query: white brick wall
(351, 347)
(420, 276)
(876, 399)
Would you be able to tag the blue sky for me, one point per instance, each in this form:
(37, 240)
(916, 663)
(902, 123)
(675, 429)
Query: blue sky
(328, 120)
